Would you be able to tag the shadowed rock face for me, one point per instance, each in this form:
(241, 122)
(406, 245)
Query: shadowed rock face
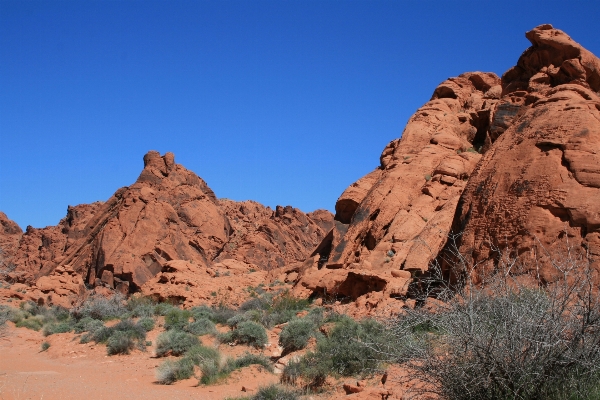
(169, 213)
(505, 161)
(540, 182)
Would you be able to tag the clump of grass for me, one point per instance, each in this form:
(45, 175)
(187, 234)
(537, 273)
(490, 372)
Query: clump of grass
(175, 342)
(45, 346)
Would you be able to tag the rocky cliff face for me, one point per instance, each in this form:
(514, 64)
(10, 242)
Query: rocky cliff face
(168, 214)
(538, 187)
(508, 162)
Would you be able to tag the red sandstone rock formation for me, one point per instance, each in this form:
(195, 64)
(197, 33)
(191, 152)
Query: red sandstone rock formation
(10, 234)
(392, 222)
(539, 130)
(539, 184)
(270, 238)
(168, 214)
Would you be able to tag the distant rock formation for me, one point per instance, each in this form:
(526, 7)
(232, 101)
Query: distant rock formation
(168, 214)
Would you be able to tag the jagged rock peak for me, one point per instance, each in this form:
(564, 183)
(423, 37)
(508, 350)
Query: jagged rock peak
(553, 59)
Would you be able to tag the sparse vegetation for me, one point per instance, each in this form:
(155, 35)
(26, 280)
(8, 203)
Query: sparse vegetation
(274, 392)
(295, 335)
(247, 332)
(175, 342)
(352, 348)
(45, 346)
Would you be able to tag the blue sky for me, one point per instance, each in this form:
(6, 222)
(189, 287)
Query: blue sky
(282, 102)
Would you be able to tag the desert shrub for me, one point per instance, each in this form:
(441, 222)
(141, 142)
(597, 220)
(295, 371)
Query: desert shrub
(316, 316)
(171, 371)
(352, 348)
(250, 315)
(45, 346)
(163, 308)
(221, 314)
(140, 307)
(35, 323)
(120, 339)
(250, 333)
(295, 335)
(177, 318)
(201, 327)
(87, 324)
(512, 340)
(208, 359)
(101, 308)
(5, 313)
(274, 392)
(175, 342)
(119, 342)
(60, 327)
(147, 323)
(255, 303)
(202, 312)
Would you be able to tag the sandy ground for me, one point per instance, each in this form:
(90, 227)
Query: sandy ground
(70, 370)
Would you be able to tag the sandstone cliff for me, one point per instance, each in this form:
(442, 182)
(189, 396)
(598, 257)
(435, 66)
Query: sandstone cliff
(507, 162)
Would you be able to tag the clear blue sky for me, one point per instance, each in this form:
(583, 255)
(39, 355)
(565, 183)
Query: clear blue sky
(283, 102)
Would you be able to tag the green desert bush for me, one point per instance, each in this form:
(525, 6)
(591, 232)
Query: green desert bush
(57, 327)
(147, 323)
(352, 348)
(247, 332)
(202, 312)
(202, 326)
(45, 346)
(120, 338)
(177, 318)
(295, 334)
(221, 314)
(175, 342)
(163, 308)
(140, 307)
(120, 342)
(33, 322)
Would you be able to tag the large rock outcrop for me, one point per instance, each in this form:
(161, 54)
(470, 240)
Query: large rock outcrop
(392, 222)
(168, 214)
(539, 184)
(508, 162)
